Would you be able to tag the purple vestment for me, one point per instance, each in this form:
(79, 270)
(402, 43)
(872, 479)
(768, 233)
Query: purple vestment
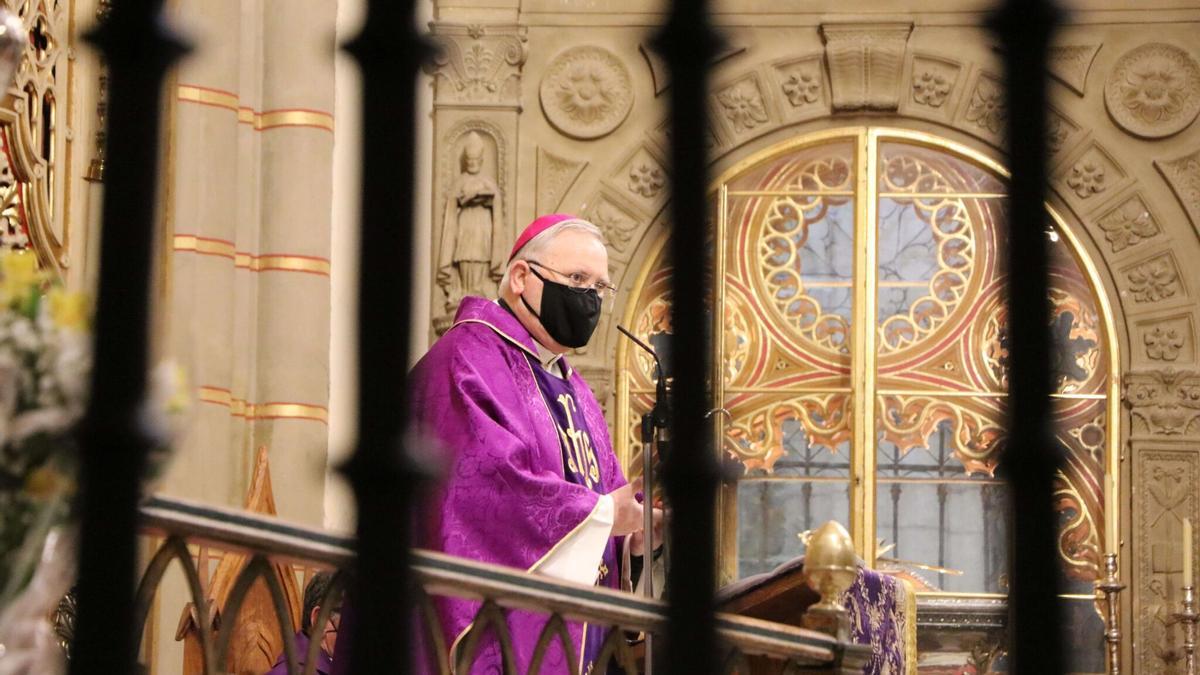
(506, 497)
(324, 662)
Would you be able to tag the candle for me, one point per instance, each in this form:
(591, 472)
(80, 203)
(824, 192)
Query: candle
(1187, 552)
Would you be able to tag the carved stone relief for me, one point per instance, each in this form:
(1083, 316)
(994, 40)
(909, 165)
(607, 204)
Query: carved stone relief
(1169, 340)
(987, 108)
(1163, 402)
(586, 92)
(743, 106)
(1153, 280)
(1183, 175)
(555, 176)
(1091, 172)
(643, 178)
(1163, 498)
(617, 221)
(479, 64)
(934, 81)
(1154, 90)
(599, 378)
(865, 62)
(1128, 224)
(474, 217)
(802, 82)
(1070, 64)
(1058, 130)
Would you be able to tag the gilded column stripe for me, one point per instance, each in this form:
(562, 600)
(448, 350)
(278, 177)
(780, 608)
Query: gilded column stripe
(261, 121)
(218, 98)
(270, 410)
(267, 262)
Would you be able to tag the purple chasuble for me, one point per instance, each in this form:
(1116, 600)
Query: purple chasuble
(507, 496)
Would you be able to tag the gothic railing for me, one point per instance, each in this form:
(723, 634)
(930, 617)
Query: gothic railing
(180, 524)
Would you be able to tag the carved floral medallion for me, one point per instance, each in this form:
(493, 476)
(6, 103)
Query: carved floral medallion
(1154, 90)
(586, 92)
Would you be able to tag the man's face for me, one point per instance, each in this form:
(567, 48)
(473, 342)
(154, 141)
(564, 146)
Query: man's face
(328, 633)
(571, 252)
(472, 163)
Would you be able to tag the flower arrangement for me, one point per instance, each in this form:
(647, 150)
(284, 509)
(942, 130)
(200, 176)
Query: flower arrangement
(45, 363)
(45, 359)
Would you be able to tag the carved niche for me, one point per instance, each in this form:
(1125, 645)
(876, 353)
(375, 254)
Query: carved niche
(1166, 481)
(477, 64)
(1163, 402)
(31, 138)
(865, 61)
(586, 92)
(473, 215)
(1183, 175)
(1154, 90)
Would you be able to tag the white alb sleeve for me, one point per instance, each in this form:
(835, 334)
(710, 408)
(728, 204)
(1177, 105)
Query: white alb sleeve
(577, 558)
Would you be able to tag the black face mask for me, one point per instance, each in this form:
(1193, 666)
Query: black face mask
(568, 314)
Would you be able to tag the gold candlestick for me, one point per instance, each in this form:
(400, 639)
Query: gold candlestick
(1111, 586)
(1188, 618)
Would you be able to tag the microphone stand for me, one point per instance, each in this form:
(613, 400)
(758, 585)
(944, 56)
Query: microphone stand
(655, 441)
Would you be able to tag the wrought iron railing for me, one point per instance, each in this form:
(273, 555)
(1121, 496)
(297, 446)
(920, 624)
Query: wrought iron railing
(181, 524)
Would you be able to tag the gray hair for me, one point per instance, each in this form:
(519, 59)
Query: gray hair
(536, 246)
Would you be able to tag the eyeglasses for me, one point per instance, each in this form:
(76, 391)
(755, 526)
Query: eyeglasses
(335, 620)
(579, 282)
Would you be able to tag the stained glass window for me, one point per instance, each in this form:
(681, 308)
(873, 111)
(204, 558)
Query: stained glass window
(861, 342)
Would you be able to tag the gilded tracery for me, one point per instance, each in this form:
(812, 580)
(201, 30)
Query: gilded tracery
(791, 226)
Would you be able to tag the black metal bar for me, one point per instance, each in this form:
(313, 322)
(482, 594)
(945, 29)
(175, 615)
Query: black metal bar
(1031, 457)
(382, 472)
(690, 473)
(114, 439)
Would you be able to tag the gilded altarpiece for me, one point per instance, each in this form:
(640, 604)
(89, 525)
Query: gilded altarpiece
(893, 425)
(33, 144)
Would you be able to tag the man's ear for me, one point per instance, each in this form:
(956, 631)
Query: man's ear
(312, 620)
(517, 274)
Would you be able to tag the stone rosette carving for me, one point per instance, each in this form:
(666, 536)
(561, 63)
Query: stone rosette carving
(1128, 224)
(1087, 178)
(743, 106)
(1153, 280)
(1163, 402)
(646, 180)
(479, 64)
(586, 92)
(865, 62)
(1163, 343)
(1183, 175)
(1154, 90)
(615, 222)
(931, 88)
(801, 87)
(987, 108)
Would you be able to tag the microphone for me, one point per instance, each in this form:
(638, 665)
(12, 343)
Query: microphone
(660, 411)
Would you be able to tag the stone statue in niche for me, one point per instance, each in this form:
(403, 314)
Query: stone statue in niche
(471, 254)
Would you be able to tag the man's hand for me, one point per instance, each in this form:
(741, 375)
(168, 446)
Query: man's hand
(627, 518)
(637, 541)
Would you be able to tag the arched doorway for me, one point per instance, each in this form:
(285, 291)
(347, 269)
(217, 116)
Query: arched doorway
(860, 346)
